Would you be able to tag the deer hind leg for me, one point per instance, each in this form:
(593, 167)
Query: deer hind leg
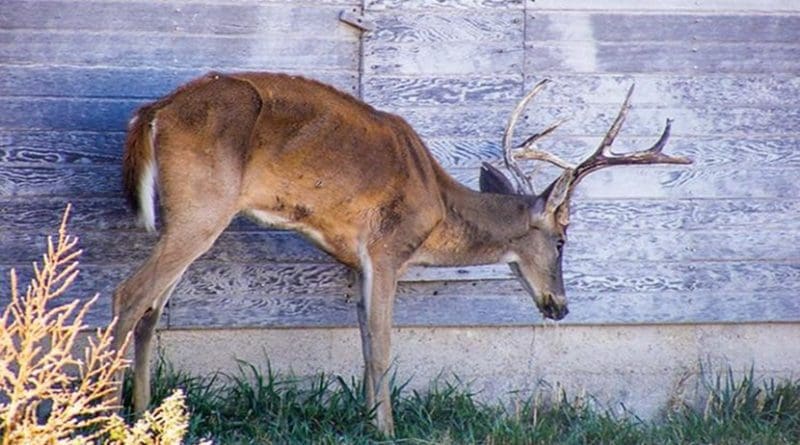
(138, 302)
(143, 342)
(378, 286)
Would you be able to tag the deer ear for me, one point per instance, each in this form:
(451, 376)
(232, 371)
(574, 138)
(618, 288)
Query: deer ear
(493, 180)
(554, 200)
(559, 191)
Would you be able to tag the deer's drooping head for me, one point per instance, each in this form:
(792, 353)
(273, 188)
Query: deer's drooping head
(536, 257)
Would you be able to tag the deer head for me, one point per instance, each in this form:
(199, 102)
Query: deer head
(537, 256)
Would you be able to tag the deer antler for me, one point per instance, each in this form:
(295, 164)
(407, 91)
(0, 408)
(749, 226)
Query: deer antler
(604, 157)
(524, 185)
(601, 158)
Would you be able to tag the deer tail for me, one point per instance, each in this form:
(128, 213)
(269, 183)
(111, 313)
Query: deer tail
(139, 172)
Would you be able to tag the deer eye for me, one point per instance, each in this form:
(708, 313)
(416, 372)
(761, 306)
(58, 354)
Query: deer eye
(560, 244)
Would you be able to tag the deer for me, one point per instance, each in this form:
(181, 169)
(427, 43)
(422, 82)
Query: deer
(359, 183)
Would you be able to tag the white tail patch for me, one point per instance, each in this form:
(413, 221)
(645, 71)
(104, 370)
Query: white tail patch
(147, 187)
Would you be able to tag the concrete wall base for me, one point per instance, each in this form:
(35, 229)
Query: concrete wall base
(643, 369)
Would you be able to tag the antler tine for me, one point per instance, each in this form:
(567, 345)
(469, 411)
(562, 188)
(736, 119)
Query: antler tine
(523, 183)
(526, 150)
(604, 157)
(605, 146)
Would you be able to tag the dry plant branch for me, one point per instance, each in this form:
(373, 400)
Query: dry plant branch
(50, 395)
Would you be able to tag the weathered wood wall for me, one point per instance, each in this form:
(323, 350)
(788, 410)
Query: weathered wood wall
(716, 242)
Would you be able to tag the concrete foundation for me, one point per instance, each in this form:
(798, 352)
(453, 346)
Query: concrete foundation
(642, 369)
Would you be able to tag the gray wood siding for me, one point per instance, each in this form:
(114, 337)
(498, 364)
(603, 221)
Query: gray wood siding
(715, 242)
(71, 75)
(647, 244)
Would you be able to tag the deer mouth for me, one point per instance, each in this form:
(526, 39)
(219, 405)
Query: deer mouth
(553, 311)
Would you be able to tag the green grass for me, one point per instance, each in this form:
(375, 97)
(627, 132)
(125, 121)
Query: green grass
(254, 407)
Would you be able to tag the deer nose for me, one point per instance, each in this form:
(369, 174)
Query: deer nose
(553, 310)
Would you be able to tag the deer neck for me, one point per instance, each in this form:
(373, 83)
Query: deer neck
(476, 229)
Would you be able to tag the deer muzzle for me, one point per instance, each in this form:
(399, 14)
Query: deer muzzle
(554, 308)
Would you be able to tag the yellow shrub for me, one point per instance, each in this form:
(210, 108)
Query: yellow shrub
(49, 394)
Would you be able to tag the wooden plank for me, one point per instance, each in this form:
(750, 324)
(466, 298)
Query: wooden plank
(425, 5)
(67, 114)
(488, 310)
(682, 246)
(176, 51)
(659, 27)
(594, 120)
(128, 83)
(706, 151)
(503, 25)
(259, 248)
(43, 215)
(439, 91)
(661, 57)
(61, 147)
(641, 277)
(730, 90)
(216, 274)
(84, 288)
(632, 182)
(438, 58)
(70, 181)
(264, 249)
(758, 6)
(89, 214)
(719, 292)
(275, 20)
(122, 247)
(270, 310)
(44, 147)
(686, 215)
(666, 182)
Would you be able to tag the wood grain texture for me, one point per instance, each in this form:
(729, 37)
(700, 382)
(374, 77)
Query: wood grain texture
(745, 6)
(714, 242)
(84, 288)
(486, 310)
(67, 181)
(660, 182)
(437, 58)
(661, 57)
(279, 249)
(669, 90)
(656, 27)
(133, 247)
(280, 296)
(268, 20)
(50, 147)
(96, 115)
(126, 83)
(746, 90)
(47, 148)
(43, 215)
(425, 5)
(707, 151)
(450, 26)
(666, 182)
(594, 119)
(176, 51)
(441, 91)
(216, 274)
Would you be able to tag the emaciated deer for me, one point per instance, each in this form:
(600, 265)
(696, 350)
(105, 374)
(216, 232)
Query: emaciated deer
(359, 183)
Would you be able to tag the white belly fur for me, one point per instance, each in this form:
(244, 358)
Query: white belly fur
(279, 222)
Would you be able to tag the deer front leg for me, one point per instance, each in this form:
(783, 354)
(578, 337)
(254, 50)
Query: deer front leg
(378, 285)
